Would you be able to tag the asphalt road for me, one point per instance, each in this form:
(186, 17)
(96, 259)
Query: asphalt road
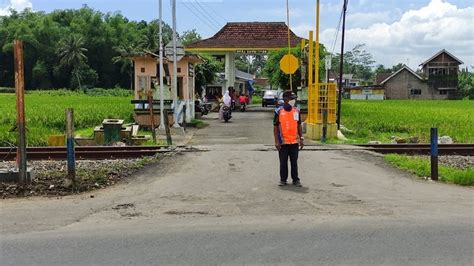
(224, 207)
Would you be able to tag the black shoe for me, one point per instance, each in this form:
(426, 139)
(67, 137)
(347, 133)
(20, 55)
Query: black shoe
(297, 184)
(282, 183)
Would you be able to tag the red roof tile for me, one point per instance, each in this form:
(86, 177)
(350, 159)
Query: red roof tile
(261, 35)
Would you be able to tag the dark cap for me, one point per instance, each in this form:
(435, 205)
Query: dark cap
(289, 95)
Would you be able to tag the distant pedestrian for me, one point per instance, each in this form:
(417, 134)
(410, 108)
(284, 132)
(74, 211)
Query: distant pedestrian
(288, 137)
(243, 99)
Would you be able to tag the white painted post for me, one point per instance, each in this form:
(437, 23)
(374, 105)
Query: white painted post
(162, 105)
(175, 69)
(229, 70)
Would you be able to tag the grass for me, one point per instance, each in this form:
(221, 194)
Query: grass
(369, 120)
(421, 167)
(45, 113)
(380, 120)
(256, 100)
(198, 123)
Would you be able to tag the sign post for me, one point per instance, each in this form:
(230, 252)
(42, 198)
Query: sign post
(289, 64)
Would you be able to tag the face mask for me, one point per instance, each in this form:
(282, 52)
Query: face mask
(292, 102)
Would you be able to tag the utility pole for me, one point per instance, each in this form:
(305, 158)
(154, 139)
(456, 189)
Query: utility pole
(175, 69)
(20, 107)
(341, 66)
(162, 104)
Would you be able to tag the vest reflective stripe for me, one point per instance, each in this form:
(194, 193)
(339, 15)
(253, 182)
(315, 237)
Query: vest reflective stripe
(288, 126)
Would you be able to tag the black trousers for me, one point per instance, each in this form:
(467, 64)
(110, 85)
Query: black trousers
(289, 150)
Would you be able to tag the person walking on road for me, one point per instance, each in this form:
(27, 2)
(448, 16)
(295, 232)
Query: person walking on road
(288, 137)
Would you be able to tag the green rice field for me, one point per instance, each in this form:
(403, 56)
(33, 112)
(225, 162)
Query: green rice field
(45, 113)
(369, 120)
(380, 120)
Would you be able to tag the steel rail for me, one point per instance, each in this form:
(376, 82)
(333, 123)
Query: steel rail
(416, 145)
(87, 155)
(112, 152)
(92, 148)
(90, 152)
(465, 149)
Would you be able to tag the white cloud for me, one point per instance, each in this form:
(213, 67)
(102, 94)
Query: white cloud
(302, 30)
(362, 19)
(18, 5)
(416, 35)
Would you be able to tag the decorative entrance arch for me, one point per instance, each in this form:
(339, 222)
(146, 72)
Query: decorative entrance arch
(244, 38)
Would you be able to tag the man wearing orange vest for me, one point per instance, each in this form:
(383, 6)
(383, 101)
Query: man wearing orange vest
(288, 137)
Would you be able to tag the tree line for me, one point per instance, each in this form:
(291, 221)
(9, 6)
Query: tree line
(83, 48)
(72, 48)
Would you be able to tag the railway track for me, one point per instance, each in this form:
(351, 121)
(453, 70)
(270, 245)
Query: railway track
(410, 149)
(88, 152)
(465, 149)
(108, 152)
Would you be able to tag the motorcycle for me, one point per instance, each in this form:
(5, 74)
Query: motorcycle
(226, 113)
(201, 107)
(242, 107)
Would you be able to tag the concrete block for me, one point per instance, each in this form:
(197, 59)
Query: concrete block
(315, 131)
(11, 175)
(177, 131)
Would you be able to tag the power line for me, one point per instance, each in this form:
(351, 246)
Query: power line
(205, 11)
(205, 16)
(337, 30)
(202, 20)
(215, 12)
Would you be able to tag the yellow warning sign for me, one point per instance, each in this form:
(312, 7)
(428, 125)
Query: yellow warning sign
(289, 64)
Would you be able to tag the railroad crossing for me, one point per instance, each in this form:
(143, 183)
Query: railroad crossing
(223, 206)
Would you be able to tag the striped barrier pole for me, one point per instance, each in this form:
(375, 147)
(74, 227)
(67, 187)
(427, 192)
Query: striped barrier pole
(71, 156)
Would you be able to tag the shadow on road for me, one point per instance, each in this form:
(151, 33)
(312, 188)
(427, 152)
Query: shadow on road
(295, 189)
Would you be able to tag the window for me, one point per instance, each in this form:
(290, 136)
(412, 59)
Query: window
(415, 91)
(437, 71)
(180, 88)
(142, 70)
(142, 82)
(443, 92)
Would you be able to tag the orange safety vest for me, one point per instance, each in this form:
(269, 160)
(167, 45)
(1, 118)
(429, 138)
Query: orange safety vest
(289, 125)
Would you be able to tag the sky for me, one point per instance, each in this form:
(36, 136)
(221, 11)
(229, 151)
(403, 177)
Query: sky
(394, 31)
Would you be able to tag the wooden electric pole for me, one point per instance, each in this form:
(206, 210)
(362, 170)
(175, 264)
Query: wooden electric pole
(20, 110)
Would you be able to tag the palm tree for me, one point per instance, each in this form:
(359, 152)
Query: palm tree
(71, 53)
(124, 61)
(149, 38)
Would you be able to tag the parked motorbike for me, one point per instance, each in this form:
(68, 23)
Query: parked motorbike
(226, 113)
(201, 107)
